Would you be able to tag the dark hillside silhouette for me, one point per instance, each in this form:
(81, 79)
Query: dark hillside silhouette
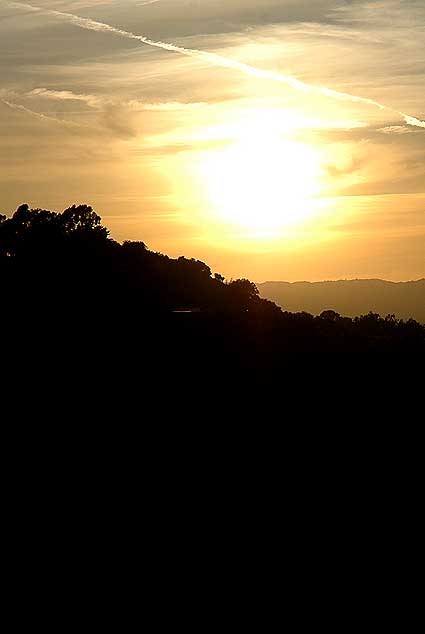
(65, 257)
(73, 297)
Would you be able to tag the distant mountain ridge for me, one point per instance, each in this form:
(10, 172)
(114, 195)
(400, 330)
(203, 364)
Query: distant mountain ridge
(350, 297)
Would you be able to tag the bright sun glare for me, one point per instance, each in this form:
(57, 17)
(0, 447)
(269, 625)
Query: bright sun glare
(262, 181)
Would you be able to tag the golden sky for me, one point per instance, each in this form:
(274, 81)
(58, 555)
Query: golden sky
(273, 139)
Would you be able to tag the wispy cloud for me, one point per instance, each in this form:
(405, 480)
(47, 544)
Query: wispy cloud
(224, 62)
(169, 106)
(38, 115)
(394, 129)
(67, 95)
(100, 102)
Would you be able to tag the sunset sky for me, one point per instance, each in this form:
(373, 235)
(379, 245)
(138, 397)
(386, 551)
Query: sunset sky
(272, 139)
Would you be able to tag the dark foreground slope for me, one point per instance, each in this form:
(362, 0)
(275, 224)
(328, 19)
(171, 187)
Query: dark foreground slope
(143, 400)
(405, 300)
(95, 318)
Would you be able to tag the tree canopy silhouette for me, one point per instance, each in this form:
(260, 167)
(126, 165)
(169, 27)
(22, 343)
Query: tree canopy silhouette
(73, 248)
(62, 273)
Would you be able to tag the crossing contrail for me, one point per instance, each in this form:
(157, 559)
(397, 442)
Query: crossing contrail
(219, 60)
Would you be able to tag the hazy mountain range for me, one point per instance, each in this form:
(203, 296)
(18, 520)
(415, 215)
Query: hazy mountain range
(350, 297)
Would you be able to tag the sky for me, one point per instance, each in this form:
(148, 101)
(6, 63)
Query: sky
(272, 139)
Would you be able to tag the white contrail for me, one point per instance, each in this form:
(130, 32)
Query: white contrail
(38, 115)
(219, 60)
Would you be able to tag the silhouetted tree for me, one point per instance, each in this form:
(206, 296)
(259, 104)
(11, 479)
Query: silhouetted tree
(81, 219)
(243, 294)
(134, 247)
(330, 315)
(65, 281)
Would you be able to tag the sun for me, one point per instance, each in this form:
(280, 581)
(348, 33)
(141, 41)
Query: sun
(262, 181)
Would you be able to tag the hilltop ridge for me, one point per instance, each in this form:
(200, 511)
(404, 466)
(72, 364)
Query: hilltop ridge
(350, 297)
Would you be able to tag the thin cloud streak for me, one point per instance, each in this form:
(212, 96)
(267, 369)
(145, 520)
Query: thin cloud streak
(218, 60)
(38, 115)
(66, 95)
(98, 103)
